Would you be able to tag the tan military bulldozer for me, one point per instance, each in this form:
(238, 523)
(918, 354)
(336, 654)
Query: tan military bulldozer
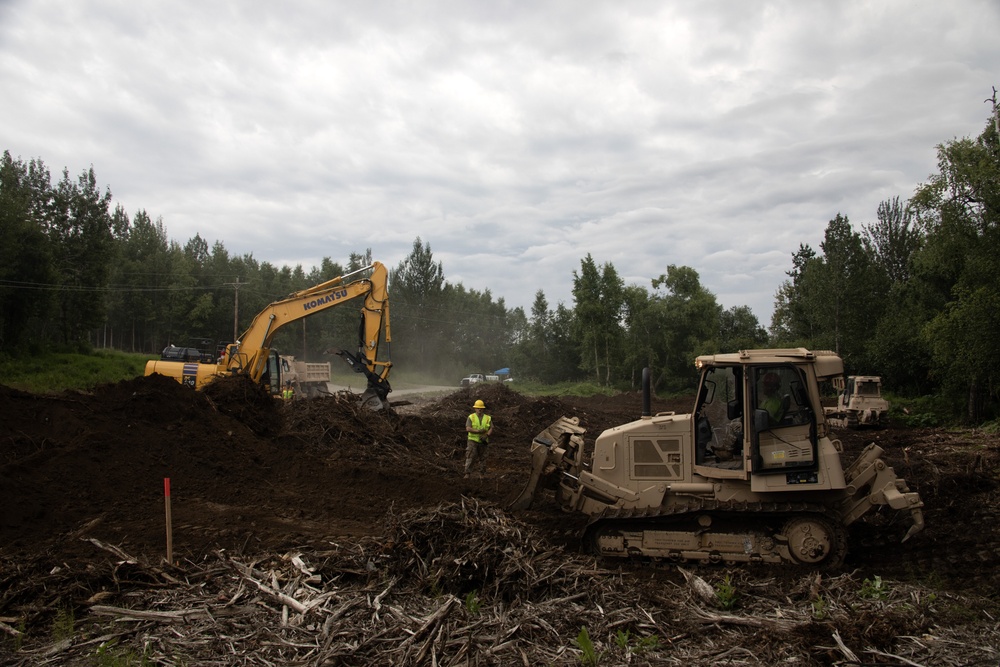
(752, 475)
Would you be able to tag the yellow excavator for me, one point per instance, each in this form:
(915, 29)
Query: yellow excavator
(252, 355)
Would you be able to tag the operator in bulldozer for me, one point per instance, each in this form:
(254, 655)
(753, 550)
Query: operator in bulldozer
(771, 383)
(479, 426)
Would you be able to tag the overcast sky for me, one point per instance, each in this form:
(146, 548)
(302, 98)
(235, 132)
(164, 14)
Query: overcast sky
(513, 137)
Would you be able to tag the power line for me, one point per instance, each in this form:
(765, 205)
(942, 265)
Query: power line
(23, 285)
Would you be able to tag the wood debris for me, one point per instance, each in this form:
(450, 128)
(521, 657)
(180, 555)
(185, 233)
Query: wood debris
(467, 584)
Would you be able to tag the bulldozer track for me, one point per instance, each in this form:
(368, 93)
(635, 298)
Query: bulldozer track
(757, 522)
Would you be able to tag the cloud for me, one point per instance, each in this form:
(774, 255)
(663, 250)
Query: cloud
(513, 138)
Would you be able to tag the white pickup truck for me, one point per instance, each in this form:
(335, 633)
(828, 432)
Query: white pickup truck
(473, 378)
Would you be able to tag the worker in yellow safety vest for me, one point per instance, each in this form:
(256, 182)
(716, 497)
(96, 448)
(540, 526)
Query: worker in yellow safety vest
(479, 427)
(287, 393)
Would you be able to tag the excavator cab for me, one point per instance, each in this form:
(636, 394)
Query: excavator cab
(270, 379)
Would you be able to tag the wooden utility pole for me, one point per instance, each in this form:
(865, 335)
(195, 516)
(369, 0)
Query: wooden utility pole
(996, 110)
(236, 307)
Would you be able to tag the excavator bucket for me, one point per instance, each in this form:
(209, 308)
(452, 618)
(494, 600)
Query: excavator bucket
(556, 450)
(372, 400)
(871, 482)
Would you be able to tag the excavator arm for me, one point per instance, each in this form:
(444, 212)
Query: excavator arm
(249, 355)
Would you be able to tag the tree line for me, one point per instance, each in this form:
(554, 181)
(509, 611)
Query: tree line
(913, 296)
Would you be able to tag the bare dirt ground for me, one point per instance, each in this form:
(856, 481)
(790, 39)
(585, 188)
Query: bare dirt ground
(314, 533)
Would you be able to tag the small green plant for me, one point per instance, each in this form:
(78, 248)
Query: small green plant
(588, 654)
(625, 642)
(109, 654)
(19, 637)
(650, 643)
(874, 589)
(819, 608)
(726, 593)
(63, 624)
(472, 603)
(436, 590)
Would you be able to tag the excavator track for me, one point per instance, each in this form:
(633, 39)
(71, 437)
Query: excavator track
(713, 532)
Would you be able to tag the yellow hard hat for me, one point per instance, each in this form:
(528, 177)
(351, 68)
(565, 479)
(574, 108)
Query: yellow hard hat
(479, 404)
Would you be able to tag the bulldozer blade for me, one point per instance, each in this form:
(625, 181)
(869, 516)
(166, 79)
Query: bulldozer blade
(548, 450)
(539, 457)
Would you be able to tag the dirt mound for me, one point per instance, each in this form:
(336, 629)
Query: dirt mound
(252, 477)
(247, 402)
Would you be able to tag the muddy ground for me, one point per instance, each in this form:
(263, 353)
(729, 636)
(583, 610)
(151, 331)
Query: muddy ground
(252, 479)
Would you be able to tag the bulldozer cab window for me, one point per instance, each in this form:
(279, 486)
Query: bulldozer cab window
(719, 418)
(868, 388)
(779, 397)
(784, 434)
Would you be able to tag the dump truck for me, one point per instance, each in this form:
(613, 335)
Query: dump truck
(739, 480)
(309, 379)
(859, 403)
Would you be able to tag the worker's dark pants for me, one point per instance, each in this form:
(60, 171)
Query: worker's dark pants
(475, 454)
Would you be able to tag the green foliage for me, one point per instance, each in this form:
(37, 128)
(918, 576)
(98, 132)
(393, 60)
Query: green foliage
(588, 654)
(726, 593)
(832, 297)
(472, 603)
(64, 624)
(992, 427)
(18, 639)
(599, 296)
(25, 254)
(109, 654)
(52, 372)
(687, 323)
(739, 329)
(819, 608)
(624, 641)
(920, 411)
(874, 589)
(537, 388)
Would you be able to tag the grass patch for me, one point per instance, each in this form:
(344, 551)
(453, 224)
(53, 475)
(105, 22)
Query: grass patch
(53, 372)
(992, 427)
(64, 624)
(110, 654)
(921, 411)
(562, 389)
